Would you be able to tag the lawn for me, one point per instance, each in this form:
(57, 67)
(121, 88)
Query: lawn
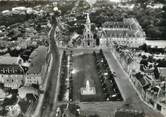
(85, 67)
(38, 58)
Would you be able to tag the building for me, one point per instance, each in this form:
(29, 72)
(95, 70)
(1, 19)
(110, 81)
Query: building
(11, 72)
(155, 97)
(152, 92)
(23, 91)
(34, 76)
(125, 33)
(12, 76)
(162, 72)
(88, 37)
(129, 113)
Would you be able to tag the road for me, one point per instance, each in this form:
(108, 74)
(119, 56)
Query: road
(49, 97)
(127, 90)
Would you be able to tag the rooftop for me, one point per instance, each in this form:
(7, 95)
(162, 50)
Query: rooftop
(162, 71)
(11, 69)
(8, 60)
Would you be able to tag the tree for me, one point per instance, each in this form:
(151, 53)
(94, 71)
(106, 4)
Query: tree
(144, 3)
(95, 115)
(156, 73)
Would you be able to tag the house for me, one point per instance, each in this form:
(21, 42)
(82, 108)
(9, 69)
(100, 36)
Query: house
(155, 97)
(23, 91)
(12, 72)
(129, 113)
(34, 76)
(12, 76)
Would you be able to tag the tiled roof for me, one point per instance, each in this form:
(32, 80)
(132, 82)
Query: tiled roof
(10, 69)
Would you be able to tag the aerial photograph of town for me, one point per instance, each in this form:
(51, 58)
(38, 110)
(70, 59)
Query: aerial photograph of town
(82, 58)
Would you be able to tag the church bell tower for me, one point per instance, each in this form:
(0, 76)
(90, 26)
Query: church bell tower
(88, 39)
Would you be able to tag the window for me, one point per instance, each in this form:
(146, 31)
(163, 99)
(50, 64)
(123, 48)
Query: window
(88, 36)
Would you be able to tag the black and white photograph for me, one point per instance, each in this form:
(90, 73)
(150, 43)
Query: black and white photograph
(82, 58)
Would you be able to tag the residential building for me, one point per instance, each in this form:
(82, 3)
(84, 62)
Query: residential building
(162, 72)
(155, 97)
(34, 76)
(12, 72)
(152, 92)
(12, 76)
(129, 113)
(23, 91)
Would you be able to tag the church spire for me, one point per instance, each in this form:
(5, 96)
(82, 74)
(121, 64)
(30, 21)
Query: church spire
(88, 19)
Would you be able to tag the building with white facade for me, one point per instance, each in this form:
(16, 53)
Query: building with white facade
(34, 76)
(11, 72)
(11, 76)
(126, 33)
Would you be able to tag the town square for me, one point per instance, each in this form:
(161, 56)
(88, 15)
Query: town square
(83, 58)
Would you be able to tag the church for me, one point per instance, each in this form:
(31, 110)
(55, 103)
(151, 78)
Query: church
(88, 36)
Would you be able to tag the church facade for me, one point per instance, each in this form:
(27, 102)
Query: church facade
(88, 37)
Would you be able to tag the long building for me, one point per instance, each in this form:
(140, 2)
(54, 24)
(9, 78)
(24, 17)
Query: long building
(125, 33)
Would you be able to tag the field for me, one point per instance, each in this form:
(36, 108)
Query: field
(85, 67)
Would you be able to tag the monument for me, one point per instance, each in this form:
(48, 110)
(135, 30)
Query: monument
(88, 90)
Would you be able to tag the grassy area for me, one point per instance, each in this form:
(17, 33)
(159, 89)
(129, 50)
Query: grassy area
(38, 58)
(86, 67)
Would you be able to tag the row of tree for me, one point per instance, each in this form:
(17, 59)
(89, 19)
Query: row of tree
(109, 86)
(63, 76)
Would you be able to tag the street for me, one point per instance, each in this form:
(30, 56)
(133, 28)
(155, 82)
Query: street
(48, 102)
(127, 90)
